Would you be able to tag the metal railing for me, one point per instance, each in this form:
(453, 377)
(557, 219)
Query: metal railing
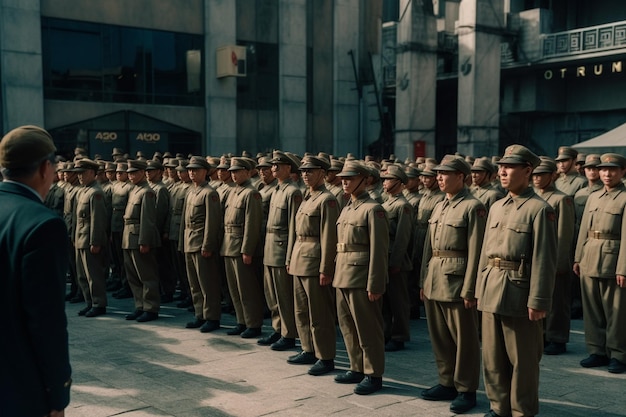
(584, 40)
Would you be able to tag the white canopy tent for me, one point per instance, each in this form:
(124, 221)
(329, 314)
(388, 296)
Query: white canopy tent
(612, 141)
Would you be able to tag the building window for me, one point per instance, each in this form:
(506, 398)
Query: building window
(106, 63)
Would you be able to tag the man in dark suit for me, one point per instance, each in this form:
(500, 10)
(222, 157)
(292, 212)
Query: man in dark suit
(35, 377)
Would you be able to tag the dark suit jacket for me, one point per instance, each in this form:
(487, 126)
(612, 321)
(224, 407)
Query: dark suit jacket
(35, 368)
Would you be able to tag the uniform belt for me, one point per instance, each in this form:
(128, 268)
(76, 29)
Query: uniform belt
(233, 229)
(502, 264)
(308, 238)
(449, 254)
(277, 231)
(606, 236)
(347, 247)
(131, 221)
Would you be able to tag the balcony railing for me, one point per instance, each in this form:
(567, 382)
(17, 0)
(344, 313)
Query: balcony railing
(584, 40)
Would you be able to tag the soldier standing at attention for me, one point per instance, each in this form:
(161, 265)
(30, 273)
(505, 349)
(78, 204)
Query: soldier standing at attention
(594, 183)
(56, 195)
(482, 188)
(333, 183)
(140, 240)
(91, 240)
(119, 198)
(72, 188)
(557, 323)
(177, 203)
(360, 278)
(312, 264)
(450, 265)
(600, 261)
(242, 232)
(200, 239)
(396, 302)
(569, 180)
(514, 287)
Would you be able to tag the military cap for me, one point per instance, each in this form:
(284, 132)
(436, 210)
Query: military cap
(170, 162)
(546, 165)
(420, 160)
(566, 152)
(24, 146)
(168, 154)
(251, 161)
(139, 154)
(97, 157)
(314, 162)
(470, 159)
(213, 161)
(180, 156)
(157, 155)
(395, 172)
(336, 165)
(353, 168)
(182, 164)
(279, 157)
(117, 152)
(612, 160)
(369, 158)
(246, 154)
(136, 165)
(153, 164)
(495, 159)
(80, 151)
(581, 158)
(324, 156)
(428, 170)
(483, 164)
(109, 167)
(198, 162)
(411, 172)
(237, 164)
(519, 155)
(264, 162)
(592, 160)
(68, 167)
(101, 165)
(59, 166)
(224, 163)
(121, 167)
(431, 161)
(454, 163)
(85, 164)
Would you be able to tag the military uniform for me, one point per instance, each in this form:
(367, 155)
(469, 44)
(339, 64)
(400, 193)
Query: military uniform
(571, 181)
(178, 192)
(166, 277)
(69, 216)
(487, 194)
(55, 199)
(119, 198)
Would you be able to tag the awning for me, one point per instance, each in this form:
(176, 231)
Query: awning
(612, 141)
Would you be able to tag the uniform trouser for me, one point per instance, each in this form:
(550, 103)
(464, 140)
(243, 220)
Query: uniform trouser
(361, 323)
(315, 312)
(143, 278)
(91, 278)
(604, 304)
(205, 284)
(179, 268)
(397, 308)
(71, 269)
(118, 255)
(512, 348)
(166, 274)
(278, 288)
(558, 319)
(453, 331)
(245, 291)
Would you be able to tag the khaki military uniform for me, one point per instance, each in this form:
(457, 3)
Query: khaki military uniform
(140, 229)
(413, 198)
(570, 183)
(69, 216)
(242, 233)
(580, 200)
(601, 253)
(178, 192)
(517, 272)
(279, 239)
(557, 324)
(487, 194)
(224, 191)
(427, 203)
(450, 266)
(396, 303)
(55, 199)
(362, 266)
(314, 252)
(202, 231)
(91, 230)
(164, 260)
(119, 199)
(337, 191)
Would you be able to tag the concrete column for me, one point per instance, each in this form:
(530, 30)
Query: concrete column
(20, 52)
(479, 27)
(221, 94)
(416, 85)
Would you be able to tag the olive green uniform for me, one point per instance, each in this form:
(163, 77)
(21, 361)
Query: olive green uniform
(178, 192)
(487, 194)
(570, 183)
(119, 199)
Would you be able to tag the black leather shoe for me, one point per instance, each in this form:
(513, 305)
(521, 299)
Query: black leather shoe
(616, 367)
(439, 393)
(251, 332)
(209, 326)
(96, 311)
(463, 403)
(78, 298)
(492, 413)
(123, 293)
(237, 330)
(554, 348)
(322, 367)
(195, 324)
(147, 316)
(369, 385)
(302, 358)
(84, 311)
(350, 377)
(134, 315)
(593, 361)
(284, 343)
(268, 340)
(394, 346)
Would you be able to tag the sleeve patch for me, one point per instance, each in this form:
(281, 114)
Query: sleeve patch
(98, 196)
(332, 203)
(552, 216)
(481, 212)
(215, 198)
(257, 196)
(380, 214)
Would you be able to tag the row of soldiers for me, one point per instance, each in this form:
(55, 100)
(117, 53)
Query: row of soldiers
(285, 229)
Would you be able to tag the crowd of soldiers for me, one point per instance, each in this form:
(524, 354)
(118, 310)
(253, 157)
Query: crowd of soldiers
(504, 249)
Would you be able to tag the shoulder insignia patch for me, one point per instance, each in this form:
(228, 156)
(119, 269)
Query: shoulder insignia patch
(380, 214)
(406, 209)
(551, 216)
(481, 212)
(215, 198)
(569, 201)
(257, 196)
(98, 196)
(332, 203)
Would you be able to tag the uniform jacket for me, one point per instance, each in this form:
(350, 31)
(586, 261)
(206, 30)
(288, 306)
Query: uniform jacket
(266, 196)
(519, 229)
(224, 191)
(427, 203)
(401, 226)
(55, 199)
(580, 199)
(162, 206)
(178, 193)
(315, 246)
(570, 183)
(91, 218)
(201, 220)
(413, 198)
(337, 191)
(34, 343)
(242, 221)
(563, 206)
(487, 194)
(140, 218)
(362, 246)
(280, 230)
(604, 214)
(119, 199)
(69, 209)
(455, 225)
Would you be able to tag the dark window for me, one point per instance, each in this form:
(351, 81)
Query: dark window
(258, 90)
(96, 62)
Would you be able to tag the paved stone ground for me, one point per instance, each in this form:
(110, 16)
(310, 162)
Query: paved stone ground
(129, 369)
